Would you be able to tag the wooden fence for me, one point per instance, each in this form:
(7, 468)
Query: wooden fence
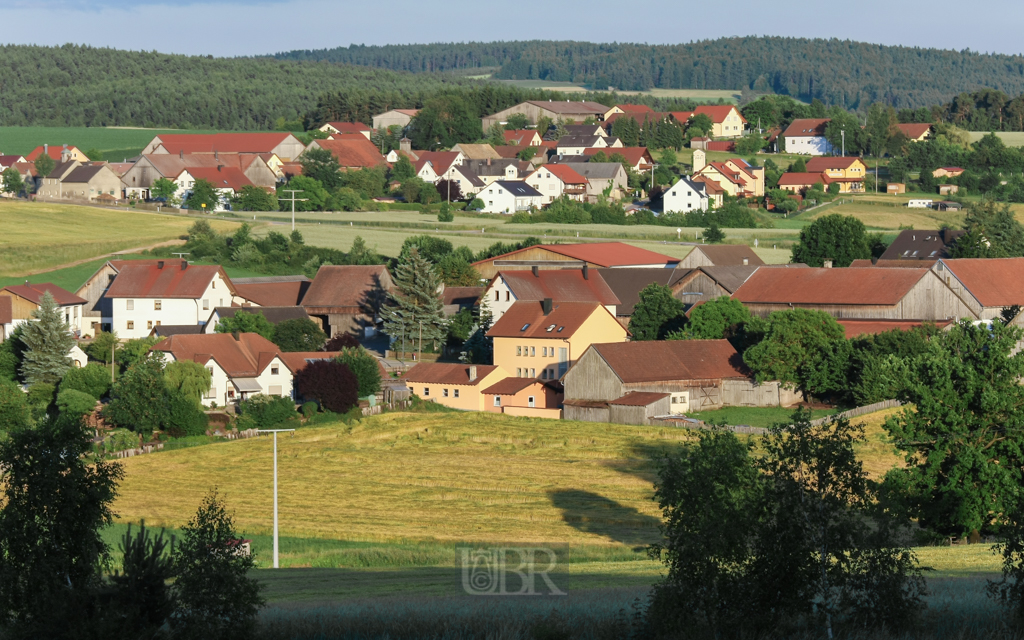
(692, 423)
(859, 411)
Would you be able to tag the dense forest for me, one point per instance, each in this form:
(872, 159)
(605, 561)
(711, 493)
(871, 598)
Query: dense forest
(837, 72)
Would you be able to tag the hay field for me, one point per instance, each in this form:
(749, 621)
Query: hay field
(700, 95)
(38, 236)
(880, 216)
(1009, 138)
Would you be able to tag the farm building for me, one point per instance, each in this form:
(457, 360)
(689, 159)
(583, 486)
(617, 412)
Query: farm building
(720, 255)
(348, 298)
(632, 382)
(921, 244)
(270, 291)
(554, 109)
(285, 145)
(97, 311)
(896, 187)
(525, 397)
(894, 294)
(26, 299)
(560, 285)
(574, 256)
(986, 285)
(855, 328)
(395, 117)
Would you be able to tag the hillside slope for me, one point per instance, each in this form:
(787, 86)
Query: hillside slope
(843, 72)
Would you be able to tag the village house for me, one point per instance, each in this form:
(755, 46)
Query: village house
(638, 158)
(921, 244)
(800, 182)
(270, 291)
(72, 180)
(226, 182)
(634, 109)
(241, 365)
(469, 183)
(139, 178)
(556, 110)
(726, 120)
(604, 179)
(394, 118)
(523, 137)
(633, 382)
(348, 298)
(584, 130)
(456, 299)
(685, 195)
(526, 397)
(916, 131)
(346, 127)
(535, 285)
(285, 145)
(735, 176)
(352, 152)
(26, 298)
(848, 171)
(508, 196)
(8, 161)
(97, 312)
(574, 256)
(59, 154)
(894, 294)
(807, 136)
(274, 315)
(459, 386)
(490, 171)
(577, 145)
(173, 292)
(542, 339)
(556, 180)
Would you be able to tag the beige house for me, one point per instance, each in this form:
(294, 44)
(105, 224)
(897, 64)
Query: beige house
(346, 127)
(556, 110)
(726, 120)
(556, 180)
(735, 176)
(82, 182)
(476, 151)
(459, 386)
(395, 117)
(604, 179)
(140, 178)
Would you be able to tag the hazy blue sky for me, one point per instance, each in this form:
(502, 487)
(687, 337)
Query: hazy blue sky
(237, 27)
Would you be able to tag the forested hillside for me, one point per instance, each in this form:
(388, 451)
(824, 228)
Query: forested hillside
(840, 72)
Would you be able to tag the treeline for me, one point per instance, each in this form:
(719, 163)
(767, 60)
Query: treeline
(840, 72)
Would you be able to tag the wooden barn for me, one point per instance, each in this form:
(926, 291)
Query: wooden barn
(894, 294)
(632, 382)
(575, 256)
(721, 255)
(985, 285)
(347, 298)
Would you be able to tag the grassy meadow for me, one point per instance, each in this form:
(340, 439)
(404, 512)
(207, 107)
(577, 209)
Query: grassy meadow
(116, 143)
(38, 236)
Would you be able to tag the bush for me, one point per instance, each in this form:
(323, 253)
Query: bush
(184, 416)
(331, 383)
(75, 403)
(120, 440)
(365, 368)
(341, 341)
(93, 379)
(309, 409)
(14, 411)
(267, 411)
(299, 334)
(40, 397)
(445, 214)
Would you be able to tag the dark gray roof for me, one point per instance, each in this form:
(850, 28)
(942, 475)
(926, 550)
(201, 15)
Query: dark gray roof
(925, 244)
(578, 141)
(270, 279)
(492, 167)
(518, 188)
(60, 169)
(627, 283)
(83, 174)
(166, 330)
(584, 129)
(696, 186)
(597, 170)
(730, 277)
(273, 314)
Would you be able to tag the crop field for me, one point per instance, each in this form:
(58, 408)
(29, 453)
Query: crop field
(116, 143)
(38, 236)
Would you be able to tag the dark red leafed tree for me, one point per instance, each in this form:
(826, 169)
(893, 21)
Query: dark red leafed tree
(330, 383)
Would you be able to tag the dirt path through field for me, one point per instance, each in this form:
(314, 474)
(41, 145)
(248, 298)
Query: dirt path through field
(166, 243)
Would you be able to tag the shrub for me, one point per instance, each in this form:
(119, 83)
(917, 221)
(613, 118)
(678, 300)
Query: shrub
(13, 406)
(267, 411)
(75, 403)
(340, 342)
(445, 214)
(365, 368)
(93, 379)
(120, 440)
(40, 396)
(331, 383)
(309, 409)
(184, 416)
(299, 334)
(191, 378)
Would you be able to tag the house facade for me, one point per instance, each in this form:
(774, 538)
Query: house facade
(685, 195)
(526, 397)
(459, 386)
(394, 118)
(535, 285)
(726, 120)
(848, 171)
(556, 180)
(506, 196)
(807, 136)
(25, 299)
(83, 182)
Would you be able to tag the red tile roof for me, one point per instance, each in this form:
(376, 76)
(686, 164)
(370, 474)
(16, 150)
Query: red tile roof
(806, 127)
(728, 146)
(512, 385)
(856, 328)
(353, 152)
(273, 294)
(461, 295)
(8, 161)
(822, 163)
(914, 130)
(34, 293)
(797, 179)
(527, 320)
(602, 254)
(635, 108)
(246, 356)
(350, 127)
(441, 161)
(346, 285)
(150, 281)
(713, 188)
(995, 282)
(561, 285)
(520, 137)
(221, 177)
(829, 286)
(681, 116)
(296, 361)
(6, 310)
(440, 373)
(565, 173)
(718, 113)
(54, 151)
(639, 399)
(175, 143)
(652, 361)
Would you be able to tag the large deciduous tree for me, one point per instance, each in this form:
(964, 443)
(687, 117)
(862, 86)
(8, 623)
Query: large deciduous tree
(305, 187)
(841, 239)
(12, 182)
(247, 322)
(444, 121)
(299, 334)
(657, 314)
(322, 166)
(330, 383)
(48, 341)
(253, 198)
(203, 193)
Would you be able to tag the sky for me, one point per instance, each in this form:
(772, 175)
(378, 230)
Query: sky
(242, 28)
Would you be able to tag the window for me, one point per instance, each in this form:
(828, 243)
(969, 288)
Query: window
(543, 351)
(497, 401)
(158, 305)
(543, 374)
(444, 393)
(130, 305)
(210, 369)
(533, 352)
(508, 296)
(275, 390)
(206, 305)
(213, 285)
(533, 373)
(149, 324)
(497, 296)
(531, 402)
(212, 393)
(519, 351)
(274, 370)
(456, 393)
(131, 325)
(231, 393)
(426, 391)
(519, 372)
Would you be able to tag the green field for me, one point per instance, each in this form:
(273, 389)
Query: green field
(1009, 138)
(116, 143)
(39, 236)
(700, 95)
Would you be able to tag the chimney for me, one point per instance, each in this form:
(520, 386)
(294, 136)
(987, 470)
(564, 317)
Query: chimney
(181, 154)
(46, 149)
(545, 305)
(184, 265)
(746, 262)
(472, 372)
(488, 162)
(216, 155)
(828, 263)
(160, 264)
(586, 271)
(536, 271)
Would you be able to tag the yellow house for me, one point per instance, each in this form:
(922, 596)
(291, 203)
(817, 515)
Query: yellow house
(459, 386)
(735, 176)
(541, 339)
(849, 172)
(726, 120)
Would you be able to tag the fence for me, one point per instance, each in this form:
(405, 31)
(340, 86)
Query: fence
(859, 411)
(692, 423)
(131, 453)
(379, 408)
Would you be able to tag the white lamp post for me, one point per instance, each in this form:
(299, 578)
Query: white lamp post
(275, 432)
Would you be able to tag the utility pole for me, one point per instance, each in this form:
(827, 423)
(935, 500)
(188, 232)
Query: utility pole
(419, 356)
(293, 200)
(843, 133)
(275, 432)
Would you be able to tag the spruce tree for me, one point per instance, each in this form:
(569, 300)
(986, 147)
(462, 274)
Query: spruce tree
(415, 302)
(48, 341)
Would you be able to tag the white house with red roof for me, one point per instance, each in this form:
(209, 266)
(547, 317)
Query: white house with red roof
(807, 135)
(559, 285)
(685, 195)
(346, 127)
(171, 292)
(26, 298)
(241, 365)
(735, 176)
(226, 181)
(522, 137)
(437, 165)
(510, 196)
(557, 180)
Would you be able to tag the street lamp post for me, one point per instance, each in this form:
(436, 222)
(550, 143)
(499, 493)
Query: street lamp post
(275, 432)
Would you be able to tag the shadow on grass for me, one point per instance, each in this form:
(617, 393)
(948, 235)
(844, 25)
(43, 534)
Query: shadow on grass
(591, 513)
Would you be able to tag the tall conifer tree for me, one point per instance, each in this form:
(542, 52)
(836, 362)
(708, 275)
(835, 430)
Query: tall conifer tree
(415, 302)
(48, 341)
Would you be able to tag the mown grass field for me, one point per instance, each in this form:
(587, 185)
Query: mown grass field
(116, 143)
(38, 236)
(704, 95)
